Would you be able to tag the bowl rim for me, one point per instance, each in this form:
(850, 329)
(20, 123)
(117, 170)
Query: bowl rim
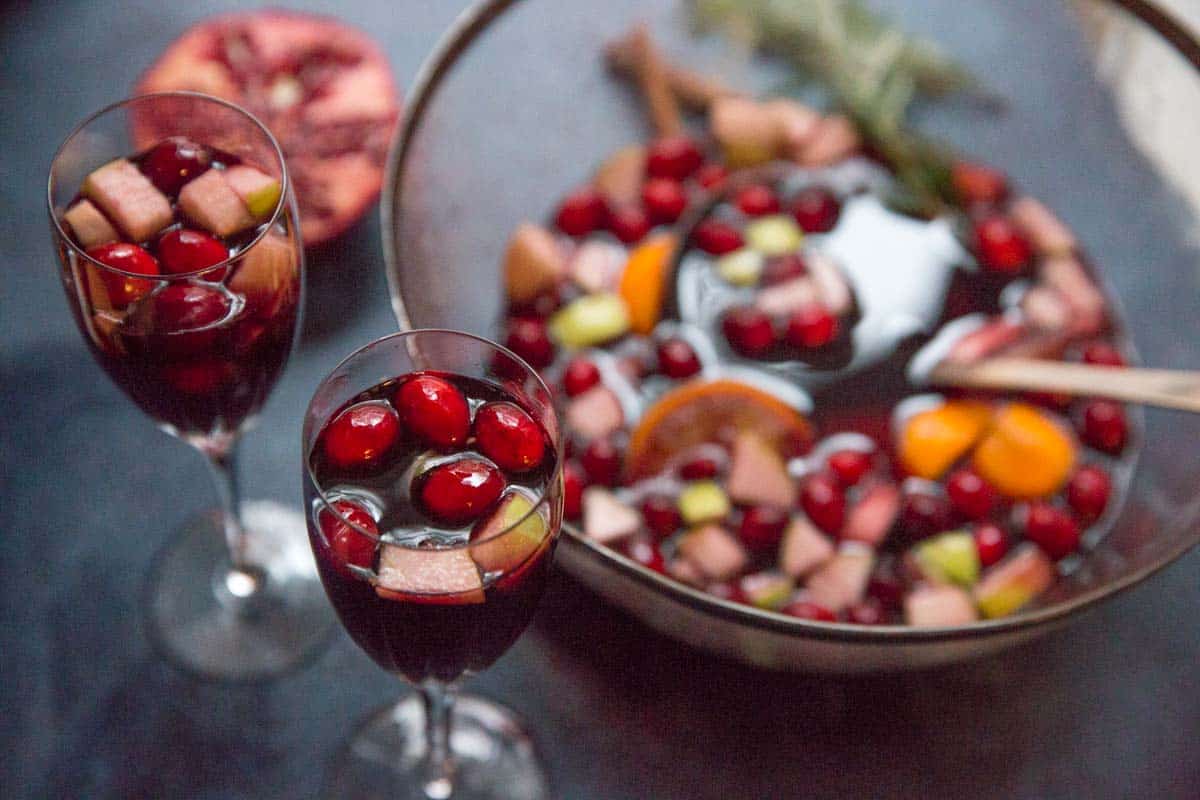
(456, 40)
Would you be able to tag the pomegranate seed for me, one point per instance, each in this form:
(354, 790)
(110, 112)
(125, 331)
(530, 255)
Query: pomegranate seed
(811, 327)
(127, 257)
(186, 250)
(711, 176)
(506, 434)
(823, 501)
(783, 268)
(716, 237)
(849, 466)
(661, 515)
(970, 494)
(602, 462)
(1000, 246)
(173, 162)
(756, 200)
(816, 209)
(348, 544)
(1088, 492)
(699, 469)
(579, 376)
(630, 224)
(674, 157)
(664, 200)
(361, 435)
(677, 359)
(976, 183)
(435, 410)
(865, 612)
(1104, 426)
(646, 554)
(762, 527)
(527, 338)
(1051, 529)
(457, 493)
(923, 514)
(581, 212)
(574, 482)
(748, 331)
(991, 542)
(1103, 354)
(806, 610)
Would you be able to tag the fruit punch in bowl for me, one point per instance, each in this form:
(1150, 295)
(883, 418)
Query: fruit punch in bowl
(434, 501)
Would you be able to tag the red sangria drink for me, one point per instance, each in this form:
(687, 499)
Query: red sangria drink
(182, 264)
(434, 500)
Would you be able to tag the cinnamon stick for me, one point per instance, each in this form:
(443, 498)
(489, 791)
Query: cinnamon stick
(650, 72)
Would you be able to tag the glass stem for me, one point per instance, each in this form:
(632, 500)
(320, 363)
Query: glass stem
(438, 699)
(223, 465)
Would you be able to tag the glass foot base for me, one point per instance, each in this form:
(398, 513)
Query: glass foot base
(494, 757)
(240, 626)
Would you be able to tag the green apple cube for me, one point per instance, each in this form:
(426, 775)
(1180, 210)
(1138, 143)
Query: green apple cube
(259, 191)
(767, 590)
(776, 235)
(949, 558)
(1012, 583)
(703, 501)
(741, 267)
(591, 320)
(510, 535)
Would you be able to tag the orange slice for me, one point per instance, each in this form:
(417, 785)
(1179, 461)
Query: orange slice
(1026, 453)
(643, 283)
(934, 439)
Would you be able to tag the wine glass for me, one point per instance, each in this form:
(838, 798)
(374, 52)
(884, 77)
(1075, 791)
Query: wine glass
(430, 594)
(194, 322)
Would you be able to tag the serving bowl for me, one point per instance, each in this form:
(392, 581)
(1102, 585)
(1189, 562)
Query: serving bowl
(515, 106)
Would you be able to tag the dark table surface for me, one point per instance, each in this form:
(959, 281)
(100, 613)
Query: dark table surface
(1109, 707)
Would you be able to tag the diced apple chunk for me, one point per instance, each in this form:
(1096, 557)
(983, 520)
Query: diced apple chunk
(988, 339)
(89, 226)
(1066, 275)
(775, 235)
(591, 320)
(211, 203)
(595, 413)
(842, 581)
(714, 551)
(1046, 309)
(832, 287)
(534, 262)
(748, 132)
(758, 474)
(804, 548)
(258, 190)
(605, 518)
(428, 575)
(950, 557)
(129, 199)
(834, 140)
(871, 518)
(938, 606)
(768, 590)
(619, 178)
(796, 123)
(1012, 583)
(685, 571)
(703, 501)
(784, 298)
(265, 274)
(510, 535)
(596, 266)
(1046, 232)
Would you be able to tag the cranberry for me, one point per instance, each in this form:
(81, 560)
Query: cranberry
(646, 554)
(435, 410)
(675, 157)
(923, 514)
(711, 176)
(970, 494)
(849, 466)
(187, 313)
(173, 162)
(186, 250)
(991, 542)
(348, 543)
(811, 327)
(582, 212)
(579, 376)
(661, 515)
(506, 434)
(664, 199)
(1052, 529)
(783, 268)
(865, 612)
(123, 290)
(1103, 354)
(816, 209)
(699, 469)
(574, 482)
(806, 610)
(1088, 492)
(1000, 246)
(677, 359)
(762, 527)
(602, 462)
(630, 224)
(361, 435)
(527, 338)
(823, 501)
(1104, 426)
(458, 492)
(716, 237)
(748, 331)
(756, 200)
(977, 183)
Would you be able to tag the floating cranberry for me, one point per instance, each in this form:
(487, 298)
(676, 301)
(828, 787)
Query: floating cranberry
(1103, 354)
(1000, 246)
(865, 612)
(823, 501)
(923, 514)
(1104, 426)
(602, 462)
(435, 410)
(816, 209)
(811, 327)
(361, 435)
(574, 482)
(1051, 529)
(1088, 492)
(783, 268)
(527, 337)
(977, 183)
(458, 492)
(123, 290)
(748, 331)
(506, 434)
(991, 543)
(674, 157)
(677, 359)
(579, 376)
(711, 176)
(347, 541)
(186, 250)
(849, 466)
(664, 199)
(811, 611)
(699, 469)
(581, 212)
(645, 553)
(762, 527)
(971, 495)
(661, 515)
(187, 314)
(756, 200)
(716, 237)
(630, 224)
(173, 162)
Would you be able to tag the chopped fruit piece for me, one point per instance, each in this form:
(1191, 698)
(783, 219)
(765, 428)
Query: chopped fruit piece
(782, 269)
(816, 209)
(714, 551)
(786, 298)
(842, 581)
(529, 338)
(212, 204)
(741, 267)
(977, 183)
(939, 607)
(510, 535)
(775, 235)
(619, 178)
(1045, 309)
(1088, 492)
(1102, 354)
(748, 133)
(703, 501)
(748, 330)
(630, 223)
(1046, 232)
(664, 200)
(361, 435)
(677, 359)
(605, 518)
(505, 433)
(533, 263)
(811, 327)
(756, 200)
(602, 462)
(596, 266)
(674, 157)
(173, 162)
(122, 290)
(796, 125)
(460, 491)
(1000, 246)
(579, 376)
(865, 612)
(831, 286)
(991, 543)
(804, 548)
(949, 558)
(185, 250)
(348, 543)
(823, 501)
(698, 412)
(849, 466)
(758, 474)
(267, 275)
(716, 237)
(574, 482)
(661, 515)
(1010, 585)
(129, 199)
(699, 469)
(1051, 529)
(803, 609)
(762, 527)
(643, 283)
(871, 518)
(435, 410)
(258, 190)
(834, 140)
(582, 212)
(685, 572)
(595, 413)
(768, 590)
(645, 553)
(1026, 453)
(89, 227)
(711, 176)
(1103, 426)
(933, 440)
(428, 575)
(591, 320)
(988, 339)
(970, 494)
(923, 514)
